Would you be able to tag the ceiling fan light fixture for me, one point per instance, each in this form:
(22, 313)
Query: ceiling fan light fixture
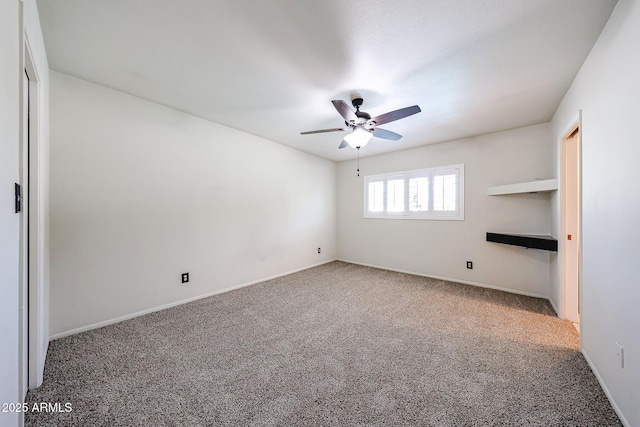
(359, 137)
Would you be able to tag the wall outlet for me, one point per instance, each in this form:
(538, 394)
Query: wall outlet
(470, 265)
(185, 277)
(620, 354)
(318, 250)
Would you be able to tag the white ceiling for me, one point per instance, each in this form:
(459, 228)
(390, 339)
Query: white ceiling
(272, 67)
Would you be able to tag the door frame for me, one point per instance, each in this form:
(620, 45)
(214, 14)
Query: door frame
(32, 157)
(570, 290)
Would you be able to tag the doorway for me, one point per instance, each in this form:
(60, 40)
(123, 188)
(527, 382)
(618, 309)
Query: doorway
(571, 228)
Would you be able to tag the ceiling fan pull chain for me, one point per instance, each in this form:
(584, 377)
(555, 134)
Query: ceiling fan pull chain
(358, 160)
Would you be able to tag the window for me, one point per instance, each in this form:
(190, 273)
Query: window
(435, 193)
(395, 195)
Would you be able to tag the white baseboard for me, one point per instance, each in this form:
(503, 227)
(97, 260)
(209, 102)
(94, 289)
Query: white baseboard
(606, 390)
(231, 288)
(173, 304)
(448, 279)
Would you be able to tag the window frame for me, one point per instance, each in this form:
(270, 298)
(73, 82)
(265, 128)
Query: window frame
(430, 213)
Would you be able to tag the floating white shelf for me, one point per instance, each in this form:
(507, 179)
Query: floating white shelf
(540, 186)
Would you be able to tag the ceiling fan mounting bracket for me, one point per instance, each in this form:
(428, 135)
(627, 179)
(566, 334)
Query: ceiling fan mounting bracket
(362, 116)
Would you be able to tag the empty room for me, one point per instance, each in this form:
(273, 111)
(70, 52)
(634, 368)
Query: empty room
(319, 213)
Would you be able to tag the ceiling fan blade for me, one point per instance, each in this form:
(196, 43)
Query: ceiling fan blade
(321, 131)
(344, 110)
(386, 134)
(396, 115)
(343, 144)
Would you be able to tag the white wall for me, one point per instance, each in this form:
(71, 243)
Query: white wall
(10, 82)
(141, 193)
(608, 93)
(441, 248)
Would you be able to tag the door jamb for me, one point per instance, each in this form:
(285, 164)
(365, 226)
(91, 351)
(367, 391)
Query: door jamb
(37, 311)
(575, 123)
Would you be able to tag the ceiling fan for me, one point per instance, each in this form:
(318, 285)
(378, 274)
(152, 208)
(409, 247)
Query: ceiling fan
(362, 126)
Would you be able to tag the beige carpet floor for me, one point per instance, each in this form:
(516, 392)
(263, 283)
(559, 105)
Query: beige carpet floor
(338, 344)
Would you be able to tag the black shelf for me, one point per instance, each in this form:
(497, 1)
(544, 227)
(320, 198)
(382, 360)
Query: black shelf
(546, 243)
